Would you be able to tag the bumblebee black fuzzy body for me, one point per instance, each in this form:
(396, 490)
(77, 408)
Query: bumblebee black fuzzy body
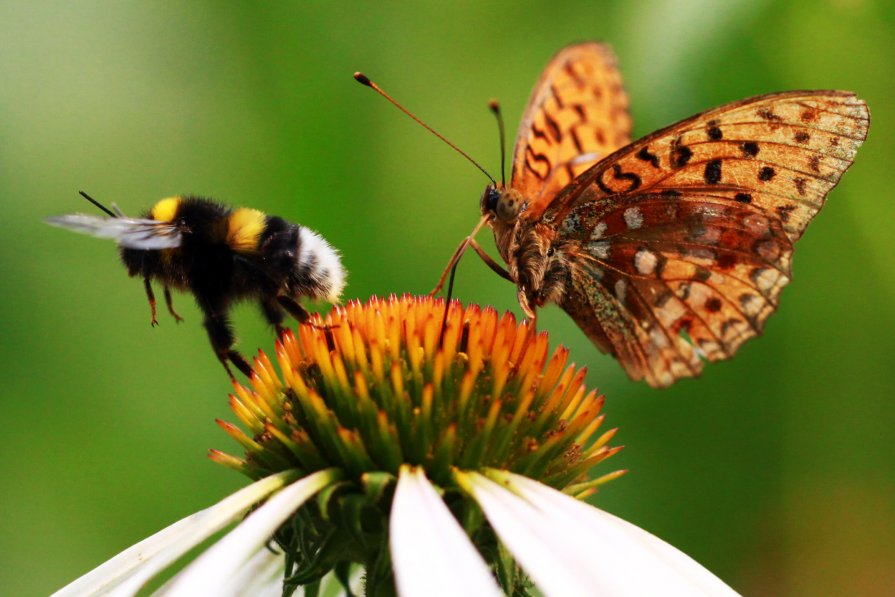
(222, 255)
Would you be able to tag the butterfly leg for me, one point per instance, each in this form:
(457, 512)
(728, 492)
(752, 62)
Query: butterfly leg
(495, 267)
(529, 311)
(170, 304)
(469, 242)
(455, 259)
(452, 264)
(151, 296)
(526, 307)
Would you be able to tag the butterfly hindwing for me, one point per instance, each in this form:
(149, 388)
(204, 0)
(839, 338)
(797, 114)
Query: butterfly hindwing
(673, 267)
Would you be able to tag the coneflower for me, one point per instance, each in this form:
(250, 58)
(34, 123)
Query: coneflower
(399, 451)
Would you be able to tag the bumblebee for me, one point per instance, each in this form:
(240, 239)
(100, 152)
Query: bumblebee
(220, 255)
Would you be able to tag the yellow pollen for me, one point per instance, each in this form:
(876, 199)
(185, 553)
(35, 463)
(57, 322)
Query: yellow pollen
(166, 209)
(245, 227)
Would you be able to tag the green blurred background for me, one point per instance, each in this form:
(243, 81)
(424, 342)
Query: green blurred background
(774, 469)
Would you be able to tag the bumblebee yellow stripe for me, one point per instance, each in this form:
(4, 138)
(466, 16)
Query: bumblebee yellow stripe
(166, 209)
(245, 226)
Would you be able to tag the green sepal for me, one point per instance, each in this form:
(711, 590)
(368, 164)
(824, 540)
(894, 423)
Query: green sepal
(343, 575)
(375, 485)
(325, 497)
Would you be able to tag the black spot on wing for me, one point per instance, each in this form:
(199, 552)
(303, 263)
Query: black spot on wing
(578, 146)
(617, 174)
(712, 172)
(814, 163)
(553, 128)
(784, 212)
(538, 163)
(680, 155)
(645, 155)
(749, 148)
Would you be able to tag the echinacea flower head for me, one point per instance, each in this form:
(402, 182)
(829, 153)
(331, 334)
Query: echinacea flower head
(392, 383)
(428, 452)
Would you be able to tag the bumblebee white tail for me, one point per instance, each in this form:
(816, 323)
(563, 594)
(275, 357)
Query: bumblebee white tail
(322, 265)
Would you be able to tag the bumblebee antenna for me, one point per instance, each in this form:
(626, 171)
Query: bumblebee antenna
(97, 203)
(364, 80)
(494, 106)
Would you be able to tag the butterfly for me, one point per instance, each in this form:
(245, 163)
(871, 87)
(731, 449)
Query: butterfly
(671, 249)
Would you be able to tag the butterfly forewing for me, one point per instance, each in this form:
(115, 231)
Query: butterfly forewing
(680, 243)
(781, 153)
(577, 115)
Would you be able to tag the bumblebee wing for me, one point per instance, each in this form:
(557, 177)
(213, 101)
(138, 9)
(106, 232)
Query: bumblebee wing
(132, 233)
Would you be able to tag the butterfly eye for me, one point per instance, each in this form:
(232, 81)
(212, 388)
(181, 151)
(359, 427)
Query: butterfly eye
(492, 196)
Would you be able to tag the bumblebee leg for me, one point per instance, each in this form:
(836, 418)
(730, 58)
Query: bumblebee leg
(171, 310)
(273, 313)
(151, 296)
(294, 309)
(221, 336)
(241, 363)
(227, 367)
(300, 313)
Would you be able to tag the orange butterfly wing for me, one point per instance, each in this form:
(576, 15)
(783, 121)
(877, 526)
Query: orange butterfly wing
(577, 115)
(689, 231)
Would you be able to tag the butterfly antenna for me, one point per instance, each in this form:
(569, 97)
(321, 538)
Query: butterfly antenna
(494, 106)
(364, 80)
(97, 203)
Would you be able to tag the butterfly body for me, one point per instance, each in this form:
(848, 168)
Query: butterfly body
(527, 246)
(672, 249)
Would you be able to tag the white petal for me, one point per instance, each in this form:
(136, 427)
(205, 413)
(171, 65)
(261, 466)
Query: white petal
(431, 553)
(571, 548)
(262, 575)
(127, 572)
(212, 572)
